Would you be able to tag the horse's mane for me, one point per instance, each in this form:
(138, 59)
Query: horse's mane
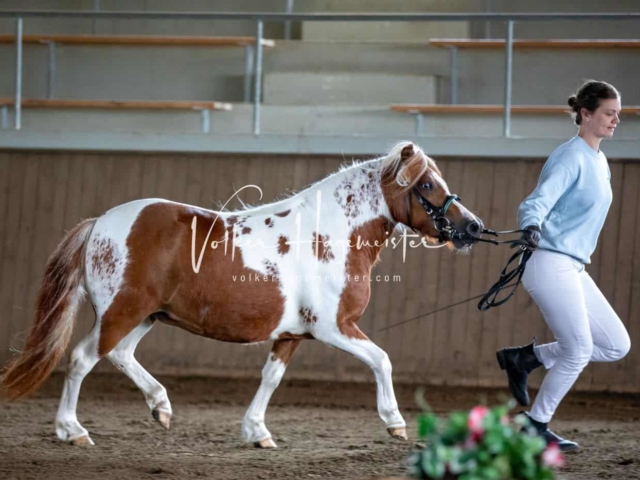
(388, 164)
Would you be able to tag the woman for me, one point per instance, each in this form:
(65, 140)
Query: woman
(562, 219)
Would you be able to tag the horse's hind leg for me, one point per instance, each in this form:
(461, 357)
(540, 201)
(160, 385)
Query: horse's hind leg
(124, 314)
(82, 360)
(253, 427)
(154, 393)
(352, 340)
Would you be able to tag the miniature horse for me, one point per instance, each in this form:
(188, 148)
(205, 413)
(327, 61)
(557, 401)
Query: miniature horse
(309, 257)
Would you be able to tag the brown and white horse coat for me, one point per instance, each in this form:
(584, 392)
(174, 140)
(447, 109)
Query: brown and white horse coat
(295, 269)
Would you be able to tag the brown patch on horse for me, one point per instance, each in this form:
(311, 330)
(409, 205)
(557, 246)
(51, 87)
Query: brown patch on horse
(355, 296)
(283, 214)
(308, 316)
(322, 247)
(159, 277)
(283, 350)
(103, 261)
(246, 230)
(268, 222)
(127, 311)
(283, 245)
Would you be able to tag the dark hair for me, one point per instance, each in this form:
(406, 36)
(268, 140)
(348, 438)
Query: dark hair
(589, 96)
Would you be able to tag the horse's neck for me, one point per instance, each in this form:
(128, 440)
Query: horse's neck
(357, 191)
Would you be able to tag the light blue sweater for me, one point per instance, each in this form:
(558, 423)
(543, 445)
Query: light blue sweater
(571, 201)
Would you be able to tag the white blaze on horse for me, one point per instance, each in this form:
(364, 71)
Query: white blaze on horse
(156, 260)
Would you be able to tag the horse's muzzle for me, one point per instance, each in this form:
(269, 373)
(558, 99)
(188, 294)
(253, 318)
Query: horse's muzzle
(470, 235)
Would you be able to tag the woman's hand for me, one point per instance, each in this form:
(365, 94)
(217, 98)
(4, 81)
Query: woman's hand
(530, 238)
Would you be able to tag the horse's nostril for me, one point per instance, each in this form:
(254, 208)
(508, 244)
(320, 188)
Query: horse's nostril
(473, 228)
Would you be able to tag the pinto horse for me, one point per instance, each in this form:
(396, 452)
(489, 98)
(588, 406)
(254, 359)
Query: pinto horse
(156, 260)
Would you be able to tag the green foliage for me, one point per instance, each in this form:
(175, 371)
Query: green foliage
(482, 444)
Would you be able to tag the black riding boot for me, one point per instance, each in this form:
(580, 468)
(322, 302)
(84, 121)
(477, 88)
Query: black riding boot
(519, 362)
(550, 437)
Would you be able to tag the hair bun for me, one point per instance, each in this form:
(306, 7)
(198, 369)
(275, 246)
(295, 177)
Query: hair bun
(572, 101)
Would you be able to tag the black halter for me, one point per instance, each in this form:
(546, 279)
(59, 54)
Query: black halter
(442, 224)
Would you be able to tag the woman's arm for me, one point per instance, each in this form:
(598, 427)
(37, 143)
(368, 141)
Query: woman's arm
(555, 179)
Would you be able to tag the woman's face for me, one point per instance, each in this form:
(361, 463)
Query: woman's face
(603, 121)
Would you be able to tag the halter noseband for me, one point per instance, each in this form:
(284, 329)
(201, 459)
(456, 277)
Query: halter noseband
(441, 223)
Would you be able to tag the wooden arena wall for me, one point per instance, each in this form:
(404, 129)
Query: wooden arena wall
(43, 194)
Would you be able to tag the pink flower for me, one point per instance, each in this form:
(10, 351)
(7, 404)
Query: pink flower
(476, 418)
(552, 457)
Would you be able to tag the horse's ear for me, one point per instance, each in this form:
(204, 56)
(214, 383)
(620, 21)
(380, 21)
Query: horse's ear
(407, 152)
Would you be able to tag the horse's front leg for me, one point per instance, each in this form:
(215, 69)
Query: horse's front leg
(349, 338)
(253, 427)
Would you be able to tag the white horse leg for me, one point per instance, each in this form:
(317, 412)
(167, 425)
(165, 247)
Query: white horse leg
(253, 427)
(82, 360)
(154, 393)
(358, 345)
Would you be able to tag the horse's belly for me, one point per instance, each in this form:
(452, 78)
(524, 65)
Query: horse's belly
(231, 316)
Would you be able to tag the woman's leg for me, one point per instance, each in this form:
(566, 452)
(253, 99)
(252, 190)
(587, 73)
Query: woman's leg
(554, 282)
(610, 338)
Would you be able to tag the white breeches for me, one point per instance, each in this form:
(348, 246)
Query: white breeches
(585, 326)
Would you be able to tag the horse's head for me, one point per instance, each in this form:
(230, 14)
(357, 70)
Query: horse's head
(418, 197)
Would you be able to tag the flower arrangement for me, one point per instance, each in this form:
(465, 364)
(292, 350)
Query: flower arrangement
(482, 444)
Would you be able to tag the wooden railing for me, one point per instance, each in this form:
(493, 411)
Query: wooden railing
(146, 40)
(469, 43)
(204, 107)
(419, 110)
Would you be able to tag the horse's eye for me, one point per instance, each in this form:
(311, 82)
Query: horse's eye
(426, 186)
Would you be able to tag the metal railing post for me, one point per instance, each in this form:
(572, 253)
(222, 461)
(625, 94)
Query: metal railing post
(419, 124)
(18, 100)
(51, 72)
(454, 74)
(96, 8)
(287, 24)
(205, 120)
(248, 71)
(487, 23)
(258, 79)
(508, 71)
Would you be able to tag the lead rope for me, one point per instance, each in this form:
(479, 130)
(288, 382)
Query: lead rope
(490, 299)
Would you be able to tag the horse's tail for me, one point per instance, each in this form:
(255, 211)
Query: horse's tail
(59, 298)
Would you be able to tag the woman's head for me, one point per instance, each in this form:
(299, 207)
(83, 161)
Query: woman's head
(596, 108)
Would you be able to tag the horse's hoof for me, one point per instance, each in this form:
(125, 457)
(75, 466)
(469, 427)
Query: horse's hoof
(399, 433)
(266, 443)
(82, 441)
(162, 417)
